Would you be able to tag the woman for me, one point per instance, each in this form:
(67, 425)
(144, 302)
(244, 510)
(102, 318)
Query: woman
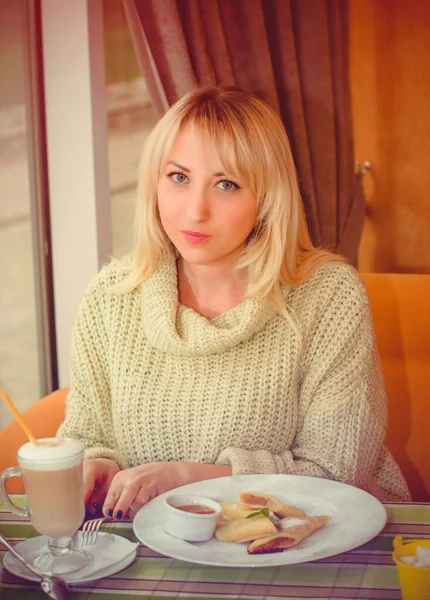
(228, 344)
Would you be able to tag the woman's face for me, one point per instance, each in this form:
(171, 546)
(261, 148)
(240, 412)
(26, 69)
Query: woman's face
(207, 214)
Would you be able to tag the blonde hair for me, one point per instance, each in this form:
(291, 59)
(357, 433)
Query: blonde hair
(253, 146)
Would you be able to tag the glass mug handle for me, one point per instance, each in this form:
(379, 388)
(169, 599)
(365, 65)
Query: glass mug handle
(11, 472)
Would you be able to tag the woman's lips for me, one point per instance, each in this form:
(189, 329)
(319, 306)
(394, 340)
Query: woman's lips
(195, 237)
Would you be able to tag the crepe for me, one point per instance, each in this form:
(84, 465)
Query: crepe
(246, 530)
(253, 500)
(293, 531)
(234, 510)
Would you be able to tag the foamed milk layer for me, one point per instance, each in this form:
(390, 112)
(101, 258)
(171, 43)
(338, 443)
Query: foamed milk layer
(51, 454)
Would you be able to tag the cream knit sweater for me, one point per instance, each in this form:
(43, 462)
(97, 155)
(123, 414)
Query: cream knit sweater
(152, 380)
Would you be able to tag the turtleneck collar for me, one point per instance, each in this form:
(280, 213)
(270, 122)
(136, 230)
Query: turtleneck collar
(177, 329)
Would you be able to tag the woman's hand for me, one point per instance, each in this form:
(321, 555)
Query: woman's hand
(98, 476)
(132, 488)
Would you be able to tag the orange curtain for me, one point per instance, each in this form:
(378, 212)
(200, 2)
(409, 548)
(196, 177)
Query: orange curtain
(292, 53)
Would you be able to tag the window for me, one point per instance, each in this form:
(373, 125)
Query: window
(26, 371)
(130, 118)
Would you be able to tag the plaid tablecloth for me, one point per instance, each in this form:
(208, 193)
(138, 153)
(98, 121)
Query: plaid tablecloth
(366, 573)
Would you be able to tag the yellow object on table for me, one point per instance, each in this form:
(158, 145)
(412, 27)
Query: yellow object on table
(414, 581)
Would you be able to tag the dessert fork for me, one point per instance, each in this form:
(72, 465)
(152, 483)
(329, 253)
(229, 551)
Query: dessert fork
(90, 531)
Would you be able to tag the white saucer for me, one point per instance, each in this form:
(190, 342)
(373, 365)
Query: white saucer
(31, 547)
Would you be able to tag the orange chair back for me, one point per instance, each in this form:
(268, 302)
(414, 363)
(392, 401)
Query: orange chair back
(44, 419)
(401, 313)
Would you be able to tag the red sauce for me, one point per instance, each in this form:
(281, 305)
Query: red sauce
(198, 509)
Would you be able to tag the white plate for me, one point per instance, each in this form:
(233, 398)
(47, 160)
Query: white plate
(356, 517)
(31, 547)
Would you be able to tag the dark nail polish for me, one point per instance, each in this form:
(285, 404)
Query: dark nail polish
(109, 512)
(118, 514)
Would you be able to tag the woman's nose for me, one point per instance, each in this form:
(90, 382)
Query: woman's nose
(199, 206)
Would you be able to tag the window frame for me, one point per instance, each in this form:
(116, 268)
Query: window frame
(77, 156)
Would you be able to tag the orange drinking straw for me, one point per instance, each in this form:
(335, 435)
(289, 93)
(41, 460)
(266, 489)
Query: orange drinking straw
(19, 418)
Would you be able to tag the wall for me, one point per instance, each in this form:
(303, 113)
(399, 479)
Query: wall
(390, 87)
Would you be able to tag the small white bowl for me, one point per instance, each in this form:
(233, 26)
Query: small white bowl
(192, 527)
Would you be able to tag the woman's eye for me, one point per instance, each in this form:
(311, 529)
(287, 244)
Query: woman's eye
(177, 177)
(227, 186)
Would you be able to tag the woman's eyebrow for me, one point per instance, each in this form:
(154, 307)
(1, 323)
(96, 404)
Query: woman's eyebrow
(172, 162)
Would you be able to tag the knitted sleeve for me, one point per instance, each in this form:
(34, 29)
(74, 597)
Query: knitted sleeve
(342, 402)
(88, 408)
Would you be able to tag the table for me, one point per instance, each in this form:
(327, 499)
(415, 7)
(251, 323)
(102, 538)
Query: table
(366, 573)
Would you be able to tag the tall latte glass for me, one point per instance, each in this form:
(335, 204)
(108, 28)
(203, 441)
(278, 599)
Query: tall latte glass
(52, 473)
